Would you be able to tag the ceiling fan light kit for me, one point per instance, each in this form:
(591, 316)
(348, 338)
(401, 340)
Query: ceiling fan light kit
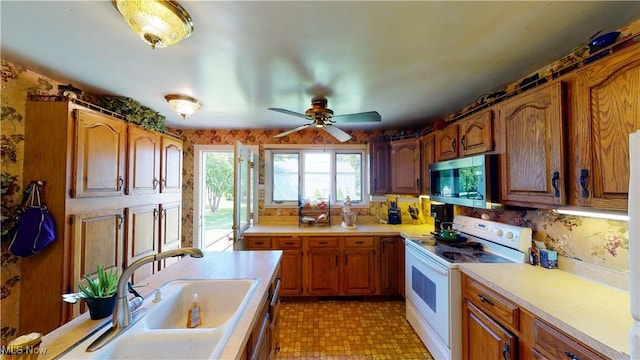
(322, 117)
(159, 23)
(183, 105)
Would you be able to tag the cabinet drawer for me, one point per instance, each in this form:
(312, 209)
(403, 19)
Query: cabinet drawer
(358, 242)
(499, 308)
(258, 243)
(554, 344)
(323, 242)
(288, 243)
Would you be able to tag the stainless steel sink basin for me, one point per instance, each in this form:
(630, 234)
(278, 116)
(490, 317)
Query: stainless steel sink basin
(162, 332)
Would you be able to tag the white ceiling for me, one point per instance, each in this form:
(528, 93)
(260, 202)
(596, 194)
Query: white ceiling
(410, 61)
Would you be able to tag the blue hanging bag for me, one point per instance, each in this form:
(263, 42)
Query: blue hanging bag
(36, 228)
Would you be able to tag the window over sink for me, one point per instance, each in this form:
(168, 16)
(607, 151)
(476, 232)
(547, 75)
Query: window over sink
(314, 171)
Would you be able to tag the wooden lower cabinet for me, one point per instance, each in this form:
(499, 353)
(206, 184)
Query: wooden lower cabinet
(485, 338)
(495, 328)
(390, 265)
(323, 272)
(264, 340)
(142, 238)
(334, 266)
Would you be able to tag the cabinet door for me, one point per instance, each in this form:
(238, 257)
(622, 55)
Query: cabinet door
(96, 240)
(428, 157)
(99, 155)
(405, 166)
(323, 272)
(171, 165)
(359, 272)
(484, 338)
(476, 134)
(380, 159)
(389, 265)
(170, 231)
(447, 143)
(142, 238)
(401, 269)
(607, 111)
(532, 167)
(291, 273)
(143, 170)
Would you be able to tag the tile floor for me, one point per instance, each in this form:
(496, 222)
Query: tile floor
(347, 330)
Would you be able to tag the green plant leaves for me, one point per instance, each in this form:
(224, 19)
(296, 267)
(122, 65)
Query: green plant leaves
(104, 285)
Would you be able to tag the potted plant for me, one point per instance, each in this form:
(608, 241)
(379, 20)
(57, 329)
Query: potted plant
(100, 292)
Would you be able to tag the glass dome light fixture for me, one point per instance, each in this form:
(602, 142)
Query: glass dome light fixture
(159, 23)
(183, 105)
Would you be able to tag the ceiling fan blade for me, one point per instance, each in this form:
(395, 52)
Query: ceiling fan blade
(292, 130)
(289, 112)
(337, 133)
(370, 116)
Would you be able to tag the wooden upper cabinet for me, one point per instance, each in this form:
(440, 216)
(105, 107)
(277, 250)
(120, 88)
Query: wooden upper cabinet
(532, 167)
(607, 110)
(380, 160)
(469, 136)
(428, 157)
(405, 166)
(99, 155)
(143, 170)
(171, 165)
(476, 133)
(447, 143)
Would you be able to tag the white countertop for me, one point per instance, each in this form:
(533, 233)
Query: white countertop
(214, 265)
(595, 314)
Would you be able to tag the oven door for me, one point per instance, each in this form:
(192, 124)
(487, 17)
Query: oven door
(427, 287)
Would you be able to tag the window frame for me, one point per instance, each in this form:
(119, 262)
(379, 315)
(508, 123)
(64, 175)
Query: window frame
(271, 149)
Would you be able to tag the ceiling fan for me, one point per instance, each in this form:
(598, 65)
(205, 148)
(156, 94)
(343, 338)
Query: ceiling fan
(322, 117)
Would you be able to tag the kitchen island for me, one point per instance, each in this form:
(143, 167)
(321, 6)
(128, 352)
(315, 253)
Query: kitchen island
(596, 315)
(261, 265)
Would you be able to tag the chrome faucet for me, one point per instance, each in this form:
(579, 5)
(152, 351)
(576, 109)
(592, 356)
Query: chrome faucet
(122, 318)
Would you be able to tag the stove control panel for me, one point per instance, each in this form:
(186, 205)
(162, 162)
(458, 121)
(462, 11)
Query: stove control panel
(512, 236)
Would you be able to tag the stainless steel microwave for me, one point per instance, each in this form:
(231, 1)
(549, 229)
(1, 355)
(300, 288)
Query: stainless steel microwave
(471, 181)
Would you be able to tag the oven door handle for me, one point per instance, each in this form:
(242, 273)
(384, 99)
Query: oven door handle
(430, 263)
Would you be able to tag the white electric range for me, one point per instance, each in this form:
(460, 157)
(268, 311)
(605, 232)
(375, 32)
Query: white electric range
(432, 277)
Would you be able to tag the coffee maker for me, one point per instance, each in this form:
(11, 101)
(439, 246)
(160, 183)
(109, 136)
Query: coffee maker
(441, 213)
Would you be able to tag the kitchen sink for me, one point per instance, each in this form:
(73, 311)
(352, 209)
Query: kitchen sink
(162, 332)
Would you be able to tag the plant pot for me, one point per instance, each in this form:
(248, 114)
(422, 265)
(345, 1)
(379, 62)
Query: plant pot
(101, 307)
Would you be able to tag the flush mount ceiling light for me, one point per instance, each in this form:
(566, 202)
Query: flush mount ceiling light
(183, 105)
(159, 23)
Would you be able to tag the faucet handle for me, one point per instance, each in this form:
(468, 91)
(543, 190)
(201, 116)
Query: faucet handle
(133, 290)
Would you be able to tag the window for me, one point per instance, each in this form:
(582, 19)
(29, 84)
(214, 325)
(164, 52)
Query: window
(311, 173)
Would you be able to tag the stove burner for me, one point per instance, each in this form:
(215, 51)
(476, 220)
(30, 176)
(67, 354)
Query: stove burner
(471, 252)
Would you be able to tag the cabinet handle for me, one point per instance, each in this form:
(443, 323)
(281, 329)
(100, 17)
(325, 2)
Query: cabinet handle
(164, 183)
(486, 300)
(120, 183)
(584, 174)
(359, 242)
(505, 351)
(570, 355)
(155, 183)
(289, 243)
(337, 260)
(120, 221)
(155, 213)
(163, 214)
(554, 183)
(453, 145)
(375, 183)
(323, 243)
(259, 242)
(462, 142)
(418, 183)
